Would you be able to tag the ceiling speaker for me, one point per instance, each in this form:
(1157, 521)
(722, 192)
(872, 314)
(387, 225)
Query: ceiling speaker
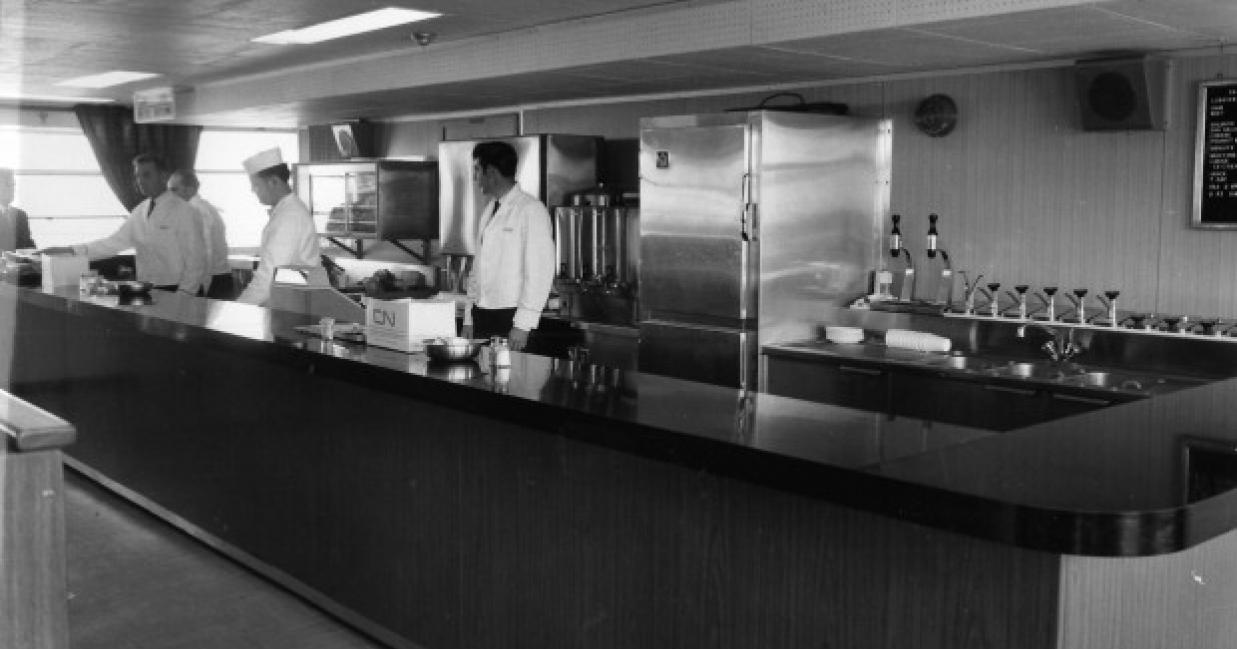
(1125, 94)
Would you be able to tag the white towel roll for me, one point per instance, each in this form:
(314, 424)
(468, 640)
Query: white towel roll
(917, 340)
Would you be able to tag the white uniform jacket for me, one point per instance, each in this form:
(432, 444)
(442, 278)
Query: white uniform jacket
(168, 243)
(514, 266)
(289, 239)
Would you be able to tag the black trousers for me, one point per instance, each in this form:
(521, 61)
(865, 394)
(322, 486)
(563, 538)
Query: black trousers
(222, 287)
(498, 322)
(492, 322)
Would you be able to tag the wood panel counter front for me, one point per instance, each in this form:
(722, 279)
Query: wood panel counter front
(442, 507)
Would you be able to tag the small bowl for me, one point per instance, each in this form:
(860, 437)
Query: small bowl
(452, 352)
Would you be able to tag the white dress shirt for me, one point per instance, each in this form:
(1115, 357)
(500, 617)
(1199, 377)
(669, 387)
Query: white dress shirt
(514, 266)
(289, 239)
(214, 235)
(168, 243)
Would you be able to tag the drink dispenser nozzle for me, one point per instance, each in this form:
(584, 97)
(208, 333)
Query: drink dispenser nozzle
(895, 237)
(945, 286)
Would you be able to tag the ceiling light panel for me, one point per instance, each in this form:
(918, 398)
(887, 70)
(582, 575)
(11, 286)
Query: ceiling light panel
(348, 26)
(107, 79)
(51, 99)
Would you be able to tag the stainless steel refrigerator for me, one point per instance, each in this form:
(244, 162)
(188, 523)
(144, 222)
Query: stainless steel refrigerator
(551, 167)
(752, 223)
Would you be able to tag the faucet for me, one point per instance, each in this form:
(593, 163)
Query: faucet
(1057, 347)
(945, 289)
(896, 249)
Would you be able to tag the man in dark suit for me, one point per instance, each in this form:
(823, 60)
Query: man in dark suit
(14, 224)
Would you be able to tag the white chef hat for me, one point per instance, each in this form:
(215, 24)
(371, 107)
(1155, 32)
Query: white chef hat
(263, 160)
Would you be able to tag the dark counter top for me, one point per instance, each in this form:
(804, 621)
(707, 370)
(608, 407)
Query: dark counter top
(991, 368)
(1110, 482)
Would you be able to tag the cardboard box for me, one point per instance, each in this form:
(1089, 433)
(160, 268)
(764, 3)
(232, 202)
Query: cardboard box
(406, 324)
(63, 270)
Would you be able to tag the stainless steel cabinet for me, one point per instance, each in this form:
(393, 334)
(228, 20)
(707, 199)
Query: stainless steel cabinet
(751, 224)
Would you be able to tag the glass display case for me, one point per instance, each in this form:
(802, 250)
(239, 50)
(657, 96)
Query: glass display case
(371, 199)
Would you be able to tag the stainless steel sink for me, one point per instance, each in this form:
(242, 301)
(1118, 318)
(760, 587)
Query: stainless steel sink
(1043, 371)
(1120, 381)
(966, 363)
(1109, 380)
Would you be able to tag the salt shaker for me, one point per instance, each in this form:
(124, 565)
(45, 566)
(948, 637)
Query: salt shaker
(502, 353)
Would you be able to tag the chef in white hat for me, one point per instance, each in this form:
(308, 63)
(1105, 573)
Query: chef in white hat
(289, 238)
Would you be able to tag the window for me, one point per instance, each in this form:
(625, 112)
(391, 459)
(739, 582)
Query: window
(60, 186)
(225, 184)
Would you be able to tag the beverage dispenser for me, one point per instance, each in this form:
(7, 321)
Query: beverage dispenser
(595, 257)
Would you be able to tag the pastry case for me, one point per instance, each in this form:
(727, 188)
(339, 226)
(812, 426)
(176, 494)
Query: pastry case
(371, 199)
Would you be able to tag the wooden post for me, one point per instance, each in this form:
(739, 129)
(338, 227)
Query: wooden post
(33, 598)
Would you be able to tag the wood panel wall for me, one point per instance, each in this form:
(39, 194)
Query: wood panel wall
(1024, 195)
(460, 529)
(33, 603)
(1173, 600)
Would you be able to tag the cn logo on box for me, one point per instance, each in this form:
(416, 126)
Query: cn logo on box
(405, 324)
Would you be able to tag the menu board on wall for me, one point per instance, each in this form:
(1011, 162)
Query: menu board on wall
(1215, 156)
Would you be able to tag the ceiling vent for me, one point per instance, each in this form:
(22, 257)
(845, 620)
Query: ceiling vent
(1122, 94)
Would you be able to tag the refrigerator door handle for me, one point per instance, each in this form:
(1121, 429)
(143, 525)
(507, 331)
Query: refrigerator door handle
(745, 218)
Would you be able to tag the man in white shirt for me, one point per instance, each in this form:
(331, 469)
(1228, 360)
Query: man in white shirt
(514, 266)
(163, 231)
(14, 224)
(217, 280)
(289, 238)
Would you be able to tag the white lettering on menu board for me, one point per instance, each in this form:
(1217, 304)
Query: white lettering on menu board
(1216, 180)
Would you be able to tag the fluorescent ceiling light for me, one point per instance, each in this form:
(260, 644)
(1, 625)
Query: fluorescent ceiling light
(59, 99)
(107, 79)
(358, 24)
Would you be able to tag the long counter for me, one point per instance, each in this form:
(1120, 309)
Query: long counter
(439, 506)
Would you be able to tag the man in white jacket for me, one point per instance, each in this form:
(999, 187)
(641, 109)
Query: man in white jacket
(513, 269)
(163, 230)
(217, 280)
(289, 238)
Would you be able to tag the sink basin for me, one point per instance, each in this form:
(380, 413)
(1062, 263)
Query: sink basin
(1117, 381)
(1109, 380)
(966, 363)
(1031, 371)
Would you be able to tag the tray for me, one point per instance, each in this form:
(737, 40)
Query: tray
(345, 331)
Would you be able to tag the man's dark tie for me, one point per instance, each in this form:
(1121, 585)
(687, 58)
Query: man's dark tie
(496, 204)
(151, 212)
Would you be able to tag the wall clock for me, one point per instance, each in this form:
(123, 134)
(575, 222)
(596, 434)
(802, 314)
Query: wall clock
(936, 115)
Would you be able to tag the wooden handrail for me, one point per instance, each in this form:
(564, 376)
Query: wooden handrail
(34, 605)
(32, 428)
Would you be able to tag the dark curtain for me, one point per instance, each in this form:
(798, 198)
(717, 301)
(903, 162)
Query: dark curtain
(116, 139)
